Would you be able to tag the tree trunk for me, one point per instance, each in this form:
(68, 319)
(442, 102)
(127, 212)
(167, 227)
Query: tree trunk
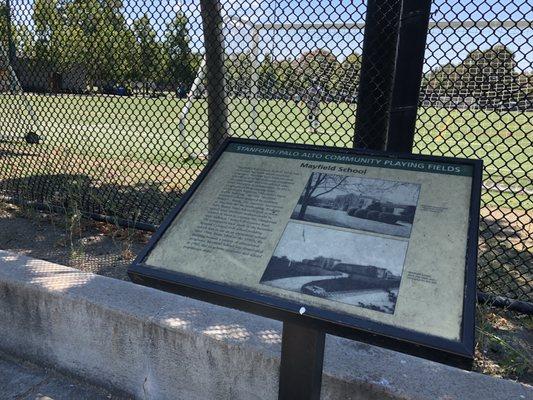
(303, 208)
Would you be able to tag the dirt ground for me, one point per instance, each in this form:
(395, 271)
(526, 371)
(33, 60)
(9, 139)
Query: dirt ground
(504, 339)
(90, 246)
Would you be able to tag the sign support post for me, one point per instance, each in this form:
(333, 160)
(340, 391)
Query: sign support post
(302, 356)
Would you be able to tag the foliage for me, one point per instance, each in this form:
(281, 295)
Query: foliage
(94, 36)
(319, 66)
(287, 77)
(483, 76)
(148, 53)
(179, 62)
(318, 185)
(239, 69)
(3, 26)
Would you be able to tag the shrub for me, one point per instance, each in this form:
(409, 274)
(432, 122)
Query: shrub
(374, 215)
(361, 213)
(388, 218)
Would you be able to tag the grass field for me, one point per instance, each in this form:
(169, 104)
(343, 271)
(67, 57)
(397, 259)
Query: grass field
(125, 157)
(146, 130)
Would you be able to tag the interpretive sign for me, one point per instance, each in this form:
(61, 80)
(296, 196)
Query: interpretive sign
(372, 246)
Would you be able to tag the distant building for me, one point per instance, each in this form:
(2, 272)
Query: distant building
(345, 202)
(334, 264)
(40, 76)
(364, 270)
(351, 200)
(322, 262)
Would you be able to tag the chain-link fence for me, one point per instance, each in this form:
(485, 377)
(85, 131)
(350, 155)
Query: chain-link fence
(103, 104)
(477, 101)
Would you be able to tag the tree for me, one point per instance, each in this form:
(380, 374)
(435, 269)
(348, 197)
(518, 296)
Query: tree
(89, 35)
(267, 77)
(444, 80)
(21, 36)
(97, 37)
(382, 191)
(485, 75)
(112, 45)
(286, 77)
(148, 52)
(4, 18)
(179, 59)
(489, 74)
(239, 70)
(525, 95)
(346, 77)
(48, 31)
(318, 65)
(318, 185)
(23, 41)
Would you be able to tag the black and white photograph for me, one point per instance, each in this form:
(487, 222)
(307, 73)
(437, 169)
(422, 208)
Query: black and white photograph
(374, 205)
(346, 267)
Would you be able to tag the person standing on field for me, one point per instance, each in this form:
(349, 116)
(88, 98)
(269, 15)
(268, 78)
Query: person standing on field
(311, 98)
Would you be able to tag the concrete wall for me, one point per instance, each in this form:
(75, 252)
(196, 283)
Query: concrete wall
(156, 345)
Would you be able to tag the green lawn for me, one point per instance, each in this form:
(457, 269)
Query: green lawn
(146, 129)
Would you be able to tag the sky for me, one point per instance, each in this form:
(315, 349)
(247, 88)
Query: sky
(300, 241)
(443, 45)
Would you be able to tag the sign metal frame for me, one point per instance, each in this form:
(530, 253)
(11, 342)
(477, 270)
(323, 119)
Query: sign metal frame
(456, 353)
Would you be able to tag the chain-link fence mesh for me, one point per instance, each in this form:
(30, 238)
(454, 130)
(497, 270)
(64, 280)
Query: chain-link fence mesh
(477, 101)
(103, 104)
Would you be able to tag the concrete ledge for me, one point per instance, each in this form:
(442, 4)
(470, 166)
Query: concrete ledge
(155, 345)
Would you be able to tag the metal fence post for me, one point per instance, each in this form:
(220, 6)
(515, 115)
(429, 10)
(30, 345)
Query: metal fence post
(408, 75)
(254, 101)
(217, 108)
(377, 73)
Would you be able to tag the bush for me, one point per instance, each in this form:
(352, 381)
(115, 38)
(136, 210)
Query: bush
(408, 215)
(361, 213)
(352, 211)
(374, 215)
(388, 218)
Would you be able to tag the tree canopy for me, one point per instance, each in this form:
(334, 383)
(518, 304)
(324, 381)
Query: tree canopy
(95, 36)
(483, 75)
